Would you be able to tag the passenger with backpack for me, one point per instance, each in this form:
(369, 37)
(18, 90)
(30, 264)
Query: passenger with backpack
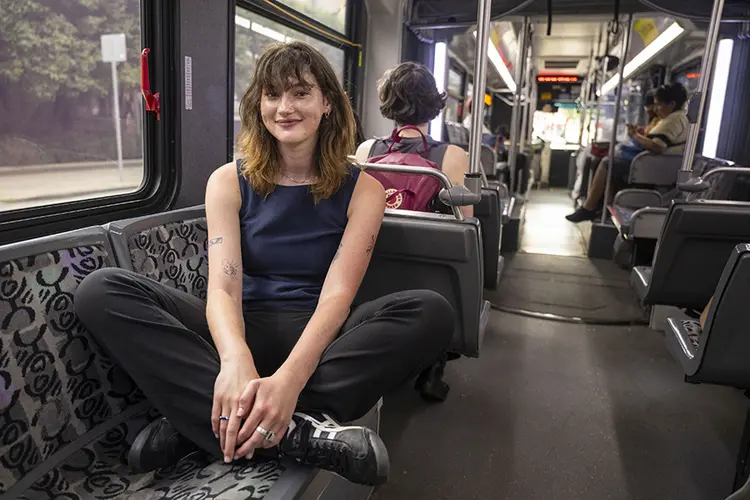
(409, 96)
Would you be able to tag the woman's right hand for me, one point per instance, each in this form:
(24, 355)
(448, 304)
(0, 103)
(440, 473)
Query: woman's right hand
(233, 377)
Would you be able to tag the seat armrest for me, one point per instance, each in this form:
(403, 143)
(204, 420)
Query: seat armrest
(657, 170)
(647, 222)
(636, 198)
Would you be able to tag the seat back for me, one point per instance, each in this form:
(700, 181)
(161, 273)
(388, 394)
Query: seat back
(693, 247)
(59, 387)
(489, 212)
(169, 247)
(488, 158)
(653, 169)
(434, 252)
(724, 347)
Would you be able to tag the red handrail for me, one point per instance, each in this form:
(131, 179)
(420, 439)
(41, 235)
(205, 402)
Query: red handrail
(152, 100)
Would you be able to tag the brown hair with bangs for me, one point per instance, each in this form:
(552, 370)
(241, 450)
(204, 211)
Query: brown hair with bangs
(281, 66)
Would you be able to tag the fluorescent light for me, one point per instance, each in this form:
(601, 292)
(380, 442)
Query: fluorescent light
(242, 21)
(716, 105)
(500, 66)
(438, 70)
(263, 30)
(659, 44)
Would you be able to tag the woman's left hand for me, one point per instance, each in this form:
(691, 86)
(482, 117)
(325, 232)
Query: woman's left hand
(271, 401)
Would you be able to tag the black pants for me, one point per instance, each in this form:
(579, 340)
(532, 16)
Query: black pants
(160, 336)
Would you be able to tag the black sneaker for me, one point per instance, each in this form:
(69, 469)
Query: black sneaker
(582, 214)
(354, 453)
(157, 446)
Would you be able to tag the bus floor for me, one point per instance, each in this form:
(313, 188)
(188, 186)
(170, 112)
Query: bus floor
(546, 231)
(562, 411)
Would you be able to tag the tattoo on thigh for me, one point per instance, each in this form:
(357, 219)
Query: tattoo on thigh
(231, 269)
(215, 241)
(371, 246)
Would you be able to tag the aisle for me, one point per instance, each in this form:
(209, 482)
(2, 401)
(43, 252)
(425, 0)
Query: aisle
(546, 230)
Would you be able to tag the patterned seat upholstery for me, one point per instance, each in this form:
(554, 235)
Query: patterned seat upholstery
(68, 414)
(168, 247)
(693, 330)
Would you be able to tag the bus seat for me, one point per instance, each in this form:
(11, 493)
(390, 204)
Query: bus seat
(169, 247)
(693, 247)
(718, 353)
(655, 170)
(416, 250)
(489, 212)
(488, 158)
(75, 413)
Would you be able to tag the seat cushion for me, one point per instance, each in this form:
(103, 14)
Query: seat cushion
(174, 253)
(623, 216)
(693, 330)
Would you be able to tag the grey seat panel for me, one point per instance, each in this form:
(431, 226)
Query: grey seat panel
(695, 242)
(640, 277)
(169, 247)
(488, 159)
(434, 252)
(653, 169)
(489, 213)
(621, 216)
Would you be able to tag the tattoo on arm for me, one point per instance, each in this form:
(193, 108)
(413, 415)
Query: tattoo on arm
(231, 269)
(371, 246)
(215, 241)
(338, 250)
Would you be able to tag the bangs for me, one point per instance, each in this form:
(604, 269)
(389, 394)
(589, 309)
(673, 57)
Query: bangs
(285, 69)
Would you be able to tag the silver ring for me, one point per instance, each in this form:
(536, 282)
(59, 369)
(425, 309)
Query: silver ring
(268, 435)
(223, 417)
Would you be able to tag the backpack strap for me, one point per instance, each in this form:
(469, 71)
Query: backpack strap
(395, 137)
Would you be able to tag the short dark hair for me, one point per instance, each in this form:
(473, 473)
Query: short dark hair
(409, 95)
(672, 92)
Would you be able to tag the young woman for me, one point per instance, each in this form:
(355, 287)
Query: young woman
(278, 356)
(667, 135)
(409, 96)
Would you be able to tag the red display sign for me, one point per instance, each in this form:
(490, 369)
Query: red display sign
(557, 79)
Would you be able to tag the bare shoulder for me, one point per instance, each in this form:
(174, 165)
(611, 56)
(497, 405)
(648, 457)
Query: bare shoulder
(456, 156)
(223, 185)
(368, 194)
(363, 151)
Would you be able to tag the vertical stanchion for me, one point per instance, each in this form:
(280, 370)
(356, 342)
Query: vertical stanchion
(618, 99)
(526, 99)
(480, 80)
(515, 116)
(707, 66)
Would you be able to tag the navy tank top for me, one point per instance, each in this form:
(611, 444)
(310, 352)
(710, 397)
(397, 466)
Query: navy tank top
(435, 150)
(288, 242)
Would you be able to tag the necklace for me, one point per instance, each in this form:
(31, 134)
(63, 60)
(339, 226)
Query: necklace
(305, 181)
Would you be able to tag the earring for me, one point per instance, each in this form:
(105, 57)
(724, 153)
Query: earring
(328, 113)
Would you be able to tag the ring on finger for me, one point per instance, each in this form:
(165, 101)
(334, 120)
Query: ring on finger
(268, 435)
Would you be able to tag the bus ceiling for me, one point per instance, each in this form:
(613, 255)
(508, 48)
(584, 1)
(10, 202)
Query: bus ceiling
(437, 15)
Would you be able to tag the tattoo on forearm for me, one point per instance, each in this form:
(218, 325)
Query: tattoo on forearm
(372, 245)
(215, 241)
(338, 250)
(231, 269)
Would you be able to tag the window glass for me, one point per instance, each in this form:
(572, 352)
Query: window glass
(253, 34)
(60, 97)
(331, 13)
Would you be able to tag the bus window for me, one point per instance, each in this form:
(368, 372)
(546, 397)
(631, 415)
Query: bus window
(71, 123)
(330, 13)
(253, 34)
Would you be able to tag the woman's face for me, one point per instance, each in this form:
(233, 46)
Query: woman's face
(663, 109)
(294, 115)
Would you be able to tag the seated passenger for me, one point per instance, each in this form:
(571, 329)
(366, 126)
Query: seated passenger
(409, 96)
(668, 135)
(278, 354)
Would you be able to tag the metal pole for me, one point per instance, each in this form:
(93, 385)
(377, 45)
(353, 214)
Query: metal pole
(514, 117)
(597, 80)
(526, 98)
(585, 98)
(706, 69)
(623, 60)
(118, 131)
(480, 81)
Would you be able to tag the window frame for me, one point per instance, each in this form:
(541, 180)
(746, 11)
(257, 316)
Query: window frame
(353, 50)
(161, 146)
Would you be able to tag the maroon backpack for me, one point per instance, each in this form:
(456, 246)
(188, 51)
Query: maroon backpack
(407, 191)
